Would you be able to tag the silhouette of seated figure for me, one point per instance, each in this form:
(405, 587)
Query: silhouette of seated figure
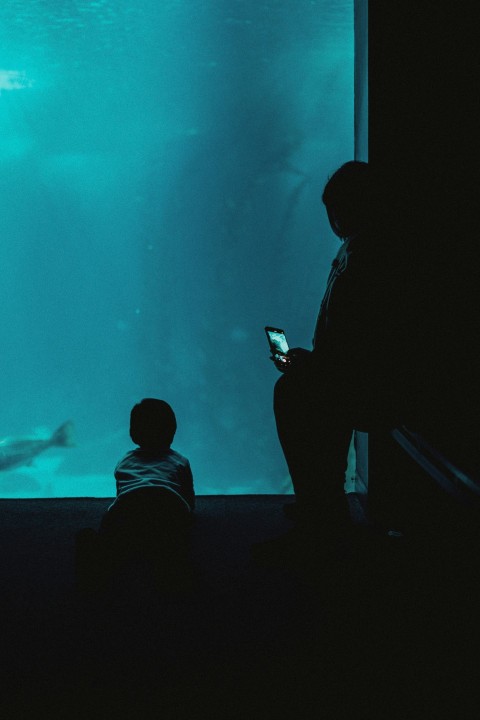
(351, 377)
(148, 523)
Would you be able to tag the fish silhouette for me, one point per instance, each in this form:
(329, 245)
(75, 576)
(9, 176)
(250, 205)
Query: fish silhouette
(21, 451)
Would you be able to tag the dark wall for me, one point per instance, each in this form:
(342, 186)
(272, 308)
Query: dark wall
(423, 139)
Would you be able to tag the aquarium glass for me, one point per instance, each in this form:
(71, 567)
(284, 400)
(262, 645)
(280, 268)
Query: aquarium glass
(162, 164)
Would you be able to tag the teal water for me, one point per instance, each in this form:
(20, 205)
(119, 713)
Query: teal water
(162, 166)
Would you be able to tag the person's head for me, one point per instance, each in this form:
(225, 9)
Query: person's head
(349, 199)
(152, 424)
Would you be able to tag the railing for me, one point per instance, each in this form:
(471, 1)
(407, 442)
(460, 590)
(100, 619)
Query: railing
(452, 479)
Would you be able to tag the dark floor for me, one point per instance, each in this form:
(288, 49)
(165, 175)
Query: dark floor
(390, 630)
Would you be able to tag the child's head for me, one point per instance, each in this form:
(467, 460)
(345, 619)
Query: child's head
(152, 424)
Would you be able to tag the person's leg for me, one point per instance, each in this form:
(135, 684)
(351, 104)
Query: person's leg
(315, 435)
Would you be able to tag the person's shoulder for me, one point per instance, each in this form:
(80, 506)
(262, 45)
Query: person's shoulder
(126, 462)
(178, 457)
(370, 251)
(130, 455)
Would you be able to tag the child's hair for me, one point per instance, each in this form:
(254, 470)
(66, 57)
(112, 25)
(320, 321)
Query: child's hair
(152, 423)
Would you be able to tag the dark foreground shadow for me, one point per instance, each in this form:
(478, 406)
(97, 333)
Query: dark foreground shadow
(380, 633)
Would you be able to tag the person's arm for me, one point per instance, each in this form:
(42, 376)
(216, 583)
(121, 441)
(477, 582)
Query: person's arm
(117, 475)
(295, 358)
(188, 485)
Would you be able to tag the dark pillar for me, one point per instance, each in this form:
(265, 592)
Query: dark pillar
(424, 140)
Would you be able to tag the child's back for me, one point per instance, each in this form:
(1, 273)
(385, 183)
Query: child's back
(151, 515)
(153, 469)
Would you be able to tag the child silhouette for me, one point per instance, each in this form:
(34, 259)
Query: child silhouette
(150, 517)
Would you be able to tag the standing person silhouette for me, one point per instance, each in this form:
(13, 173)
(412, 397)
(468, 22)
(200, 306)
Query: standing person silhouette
(347, 380)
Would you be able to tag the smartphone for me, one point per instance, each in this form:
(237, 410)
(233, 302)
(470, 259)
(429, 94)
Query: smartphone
(277, 342)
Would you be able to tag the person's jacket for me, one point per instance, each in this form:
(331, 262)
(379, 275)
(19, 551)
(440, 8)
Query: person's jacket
(360, 332)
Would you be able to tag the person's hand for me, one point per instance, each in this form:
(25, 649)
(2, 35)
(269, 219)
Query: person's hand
(298, 356)
(294, 358)
(281, 362)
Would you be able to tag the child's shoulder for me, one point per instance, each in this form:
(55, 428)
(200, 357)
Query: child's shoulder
(138, 457)
(178, 457)
(128, 457)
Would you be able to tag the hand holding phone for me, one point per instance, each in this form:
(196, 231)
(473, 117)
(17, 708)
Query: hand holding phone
(284, 357)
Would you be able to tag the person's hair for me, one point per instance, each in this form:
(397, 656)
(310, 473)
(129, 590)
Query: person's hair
(352, 195)
(345, 183)
(152, 423)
